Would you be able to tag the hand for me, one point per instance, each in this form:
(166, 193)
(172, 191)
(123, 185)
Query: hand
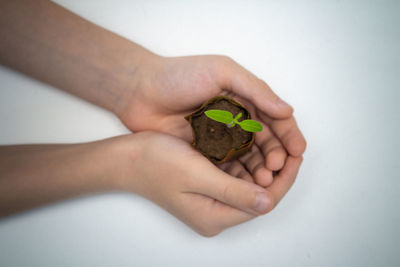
(170, 88)
(160, 167)
(169, 172)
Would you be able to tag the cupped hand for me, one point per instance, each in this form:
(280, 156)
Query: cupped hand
(169, 172)
(167, 89)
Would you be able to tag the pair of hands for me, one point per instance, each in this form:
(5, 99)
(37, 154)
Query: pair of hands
(151, 95)
(163, 167)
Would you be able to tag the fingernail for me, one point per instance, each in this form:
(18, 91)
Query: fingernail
(282, 103)
(261, 203)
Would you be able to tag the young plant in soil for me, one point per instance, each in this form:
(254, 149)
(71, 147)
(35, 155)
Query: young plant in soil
(217, 134)
(227, 118)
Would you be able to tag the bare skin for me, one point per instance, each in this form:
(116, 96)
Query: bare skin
(149, 164)
(148, 93)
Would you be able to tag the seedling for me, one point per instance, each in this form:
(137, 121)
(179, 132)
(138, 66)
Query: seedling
(227, 118)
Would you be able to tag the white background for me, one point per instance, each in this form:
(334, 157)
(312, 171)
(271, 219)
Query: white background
(336, 62)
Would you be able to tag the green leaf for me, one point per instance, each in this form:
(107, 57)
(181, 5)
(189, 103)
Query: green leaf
(238, 116)
(219, 115)
(251, 126)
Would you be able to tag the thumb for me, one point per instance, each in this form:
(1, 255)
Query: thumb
(245, 84)
(237, 193)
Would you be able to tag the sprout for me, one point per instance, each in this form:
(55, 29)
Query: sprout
(227, 118)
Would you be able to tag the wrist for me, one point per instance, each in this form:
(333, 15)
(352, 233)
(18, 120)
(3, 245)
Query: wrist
(116, 158)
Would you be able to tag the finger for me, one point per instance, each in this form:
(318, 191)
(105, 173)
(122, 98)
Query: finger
(227, 216)
(289, 134)
(240, 81)
(284, 180)
(236, 169)
(213, 216)
(272, 149)
(237, 193)
(208, 216)
(255, 164)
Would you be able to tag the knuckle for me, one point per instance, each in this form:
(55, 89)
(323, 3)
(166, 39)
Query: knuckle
(207, 230)
(303, 145)
(226, 59)
(226, 63)
(264, 85)
(262, 82)
(274, 98)
(222, 69)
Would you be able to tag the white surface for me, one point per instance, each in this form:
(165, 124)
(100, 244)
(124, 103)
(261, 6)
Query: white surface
(337, 63)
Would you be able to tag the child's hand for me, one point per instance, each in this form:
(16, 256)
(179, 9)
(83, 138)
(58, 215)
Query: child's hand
(169, 172)
(159, 167)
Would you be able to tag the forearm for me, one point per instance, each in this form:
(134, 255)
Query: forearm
(49, 43)
(34, 175)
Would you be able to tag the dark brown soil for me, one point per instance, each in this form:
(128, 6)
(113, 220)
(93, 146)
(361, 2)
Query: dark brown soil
(214, 138)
